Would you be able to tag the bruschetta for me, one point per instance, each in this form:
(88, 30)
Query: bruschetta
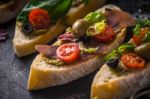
(81, 49)
(127, 67)
(41, 21)
(10, 8)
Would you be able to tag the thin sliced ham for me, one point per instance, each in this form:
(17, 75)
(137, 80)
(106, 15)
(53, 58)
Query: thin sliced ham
(118, 18)
(48, 51)
(67, 37)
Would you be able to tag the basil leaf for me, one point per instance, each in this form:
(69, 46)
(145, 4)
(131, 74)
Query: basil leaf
(61, 9)
(112, 55)
(125, 48)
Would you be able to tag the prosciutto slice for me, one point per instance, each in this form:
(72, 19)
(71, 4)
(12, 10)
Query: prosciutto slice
(47, 50)
(118, 18)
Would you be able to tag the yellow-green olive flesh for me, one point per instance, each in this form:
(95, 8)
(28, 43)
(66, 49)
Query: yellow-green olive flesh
(80, 27)
(143, 51)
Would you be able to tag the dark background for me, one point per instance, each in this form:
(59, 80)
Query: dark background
(14, 71)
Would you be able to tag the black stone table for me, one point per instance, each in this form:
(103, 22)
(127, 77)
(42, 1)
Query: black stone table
(14, 71)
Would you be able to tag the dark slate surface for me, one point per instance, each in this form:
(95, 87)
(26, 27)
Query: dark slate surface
(14, 71)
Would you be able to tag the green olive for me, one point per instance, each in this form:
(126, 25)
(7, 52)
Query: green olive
(80, 27)
(143, 50)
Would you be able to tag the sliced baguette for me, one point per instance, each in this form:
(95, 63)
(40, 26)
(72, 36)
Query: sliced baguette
(108, 85)
(24, 45)
(43, 75)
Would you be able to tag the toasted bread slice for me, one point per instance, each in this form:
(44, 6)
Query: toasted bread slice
(109, 85)
(24, 45)
(43, 75)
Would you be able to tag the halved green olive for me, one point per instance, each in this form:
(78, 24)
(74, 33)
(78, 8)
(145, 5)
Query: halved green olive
(80, 27)
(143, 50)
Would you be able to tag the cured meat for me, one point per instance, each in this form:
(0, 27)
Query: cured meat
(118, 18)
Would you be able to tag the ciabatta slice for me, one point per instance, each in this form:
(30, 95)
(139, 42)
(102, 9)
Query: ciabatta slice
(43, 75)
(24, 45)
(111, 85)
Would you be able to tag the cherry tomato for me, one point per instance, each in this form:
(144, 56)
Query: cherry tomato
(137, 39)
(133, 61)
(68, 52)
(39, 18)
(107, 35)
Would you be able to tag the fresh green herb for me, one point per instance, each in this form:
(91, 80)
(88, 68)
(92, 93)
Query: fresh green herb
(61, 9)
(112, 55)
(141, 23)
(146, 37)
(95, 17)
(125, 48)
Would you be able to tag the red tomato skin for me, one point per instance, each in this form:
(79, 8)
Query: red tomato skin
(137, 39)
(39, 18)
(133, 61)
(107, 35)
(72, 55)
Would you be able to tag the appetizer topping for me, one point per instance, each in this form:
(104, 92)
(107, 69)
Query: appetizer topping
(112, 55)
(56, 62)
(87, 50)
(143, 50)
(67, 37)
(80, 27)
(3, 35)
(115, 54)
(46, 50)
(107, 35)
(39, 18)
(95, 17)
(97, 28)
(141, 32)
(113, 63)
(127, 47)
(27, 28)
(144, 36)
(119, 19)
(41, 13)
(133, 61)
(68, 52)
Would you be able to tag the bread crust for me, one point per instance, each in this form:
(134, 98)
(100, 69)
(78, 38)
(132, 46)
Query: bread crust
(23, 46)
(118, 87)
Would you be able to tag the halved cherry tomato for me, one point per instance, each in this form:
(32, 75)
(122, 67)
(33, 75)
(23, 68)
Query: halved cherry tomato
(107, 35)
(133, 61)
(39, 18)
(137, 39)
(68, 52)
